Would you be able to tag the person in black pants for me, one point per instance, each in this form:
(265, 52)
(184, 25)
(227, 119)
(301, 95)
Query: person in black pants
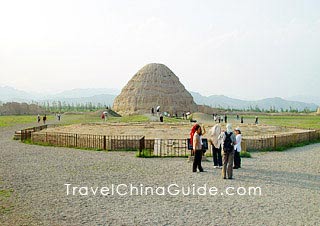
(214, 132)
(197, 150)
(217, 159)
(237, 149)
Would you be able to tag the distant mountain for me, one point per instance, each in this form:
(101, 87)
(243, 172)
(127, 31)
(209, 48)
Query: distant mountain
(107, 96)
(79, 93)
(306, 99)
(220, 101)
(74, 96)
(104, 99)
(11, 94)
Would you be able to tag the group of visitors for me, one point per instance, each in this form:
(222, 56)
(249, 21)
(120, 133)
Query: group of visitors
(220, 118)
(226, 148)
(44, 118)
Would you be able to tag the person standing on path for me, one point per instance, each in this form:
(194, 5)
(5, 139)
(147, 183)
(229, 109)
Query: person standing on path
(44, 119)
(197, 149)
(38, 118)
(228, 142)
(214, 132)
(237, 149)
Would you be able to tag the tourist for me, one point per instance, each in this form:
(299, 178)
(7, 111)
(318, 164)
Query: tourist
(197, 149)
(228, 142)
(152, 111)
(241, 121)
(59, 116)
(225, 118)
(161, 118)
(237, 149)
(214, 132)
(256, 121)
(44, 119)
(38, 118)
(215, 117)
(203, 132)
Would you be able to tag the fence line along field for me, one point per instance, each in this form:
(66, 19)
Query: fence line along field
(164, 136)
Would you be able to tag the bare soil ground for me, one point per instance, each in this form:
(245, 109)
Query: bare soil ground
(153, 130)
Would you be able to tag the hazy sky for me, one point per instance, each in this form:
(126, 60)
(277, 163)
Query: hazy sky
(246, 49)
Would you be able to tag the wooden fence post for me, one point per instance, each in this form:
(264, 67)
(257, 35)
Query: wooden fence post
(274, 142)
(104, 142)
(141, 146)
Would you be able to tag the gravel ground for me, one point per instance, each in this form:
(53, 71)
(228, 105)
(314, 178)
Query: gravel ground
(289, 182)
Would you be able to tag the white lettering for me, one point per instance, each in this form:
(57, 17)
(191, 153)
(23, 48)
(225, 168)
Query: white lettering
(184, 191)
(85, 191)
(135, 189)
(94, 191)
(118, 189)
(162, 191)
(204, 190)
(213, 191)
(176, 190)
(68, 185)
(229, 188)
(254, 190)
(104, 191)
(241, 189)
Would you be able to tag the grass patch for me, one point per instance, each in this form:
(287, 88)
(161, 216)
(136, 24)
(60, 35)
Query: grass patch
(5, 202)
(126, 150)
(69, 119)
(131, 118)
(12, 120)
(245, 154)
(145, 154)
(149, 154)
(299, 121)
(5, 193)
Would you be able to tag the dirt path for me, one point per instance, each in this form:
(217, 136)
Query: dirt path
(289, 182)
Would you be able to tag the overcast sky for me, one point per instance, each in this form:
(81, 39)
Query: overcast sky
(245, 49)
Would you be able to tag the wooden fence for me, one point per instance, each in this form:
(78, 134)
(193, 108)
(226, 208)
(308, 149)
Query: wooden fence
(25, 134)
(272, 142)
(90, 141)
(166, 147)
(157, 147)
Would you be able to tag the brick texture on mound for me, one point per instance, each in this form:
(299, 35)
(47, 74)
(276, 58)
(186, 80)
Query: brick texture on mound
(154, 85)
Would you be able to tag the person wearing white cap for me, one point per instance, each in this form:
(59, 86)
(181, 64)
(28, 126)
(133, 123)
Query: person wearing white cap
(228, 142)
(237, 149)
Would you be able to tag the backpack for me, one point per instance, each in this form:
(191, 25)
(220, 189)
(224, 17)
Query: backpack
(227, 144)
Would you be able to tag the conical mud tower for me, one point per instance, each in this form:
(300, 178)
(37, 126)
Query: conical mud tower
(154, 85)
